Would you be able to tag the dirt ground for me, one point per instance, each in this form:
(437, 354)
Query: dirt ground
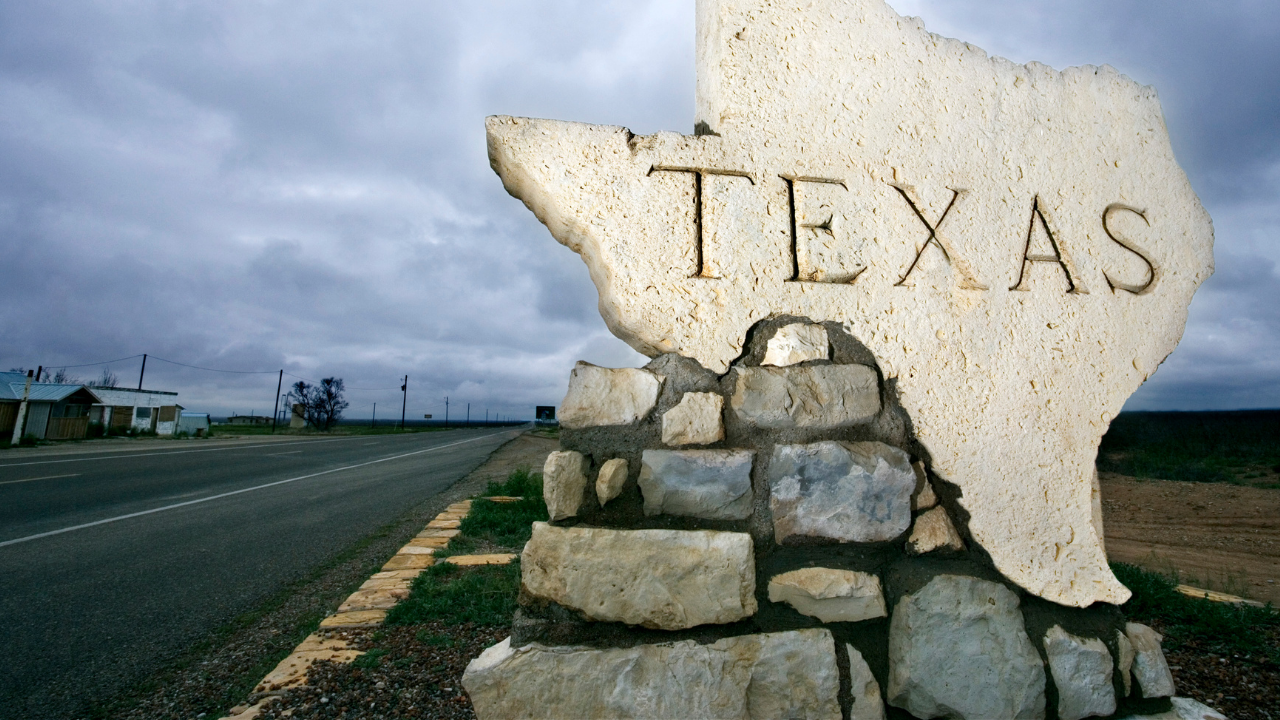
(1216, 536)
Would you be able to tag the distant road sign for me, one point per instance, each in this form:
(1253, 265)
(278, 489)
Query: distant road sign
(546, 412)
(427, 417)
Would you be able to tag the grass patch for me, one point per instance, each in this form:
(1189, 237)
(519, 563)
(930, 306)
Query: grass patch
(1240, 447)
(484, 595)
(522, 483)
(1218, 627)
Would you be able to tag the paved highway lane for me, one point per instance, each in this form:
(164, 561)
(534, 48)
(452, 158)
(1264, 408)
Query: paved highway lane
(112, 562)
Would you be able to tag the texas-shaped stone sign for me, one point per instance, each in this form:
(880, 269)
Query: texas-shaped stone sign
(1016, 245)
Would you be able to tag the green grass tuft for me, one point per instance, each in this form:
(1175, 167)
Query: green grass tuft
(1217, 627)
(370, 659)
(522, 483)
(484, 595)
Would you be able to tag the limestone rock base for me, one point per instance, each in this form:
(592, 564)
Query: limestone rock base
(777, 675)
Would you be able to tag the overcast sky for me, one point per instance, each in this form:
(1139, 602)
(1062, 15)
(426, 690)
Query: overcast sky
(265, 185)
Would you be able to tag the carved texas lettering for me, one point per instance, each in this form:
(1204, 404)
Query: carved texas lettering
(807, 273)
(970, 282)
(803, 271)
(698, 174)
(1073, 287)
(1151, 269)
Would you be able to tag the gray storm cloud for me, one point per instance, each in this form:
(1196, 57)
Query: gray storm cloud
(249, 186)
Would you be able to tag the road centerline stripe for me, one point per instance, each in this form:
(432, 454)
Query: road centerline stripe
(46, 477)
(219, 496)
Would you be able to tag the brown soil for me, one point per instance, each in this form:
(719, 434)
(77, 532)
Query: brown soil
(1214, 536)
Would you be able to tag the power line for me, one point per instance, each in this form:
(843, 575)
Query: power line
(233, 372)
(107, 362)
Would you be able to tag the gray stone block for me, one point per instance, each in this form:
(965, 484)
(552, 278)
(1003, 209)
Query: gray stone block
(852, 492)
(821, 397)
(709, 484)
(1082, 670)
(1149, 666)
(958, 647)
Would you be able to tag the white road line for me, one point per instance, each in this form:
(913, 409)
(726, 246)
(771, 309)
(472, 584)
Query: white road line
(125, 456)
(291, 452)
(174, 506)
(46, 477)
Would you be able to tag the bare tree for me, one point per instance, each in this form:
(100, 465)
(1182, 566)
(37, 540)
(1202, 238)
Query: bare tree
(107, 379)
(62, 377)
(322, 404)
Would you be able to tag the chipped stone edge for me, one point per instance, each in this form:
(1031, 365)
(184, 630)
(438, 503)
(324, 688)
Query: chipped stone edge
(367, 607)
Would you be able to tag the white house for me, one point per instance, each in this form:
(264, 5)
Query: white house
(143, 410)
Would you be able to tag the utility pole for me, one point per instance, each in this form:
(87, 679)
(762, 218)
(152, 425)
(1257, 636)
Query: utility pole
(275, 409)
(22, 413)
(468, 414)
(405, 400)
(486, 417)
(144, 370)
(374, 422)
(446, 411)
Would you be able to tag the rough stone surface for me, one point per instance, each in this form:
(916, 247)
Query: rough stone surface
(1081, 669)
(695, 421)
(1027, 303)
(753, 677)
(830, 595)
(867, 702)
(924, 497)
(1149, 666)
(602, 396)
(613, 475)
(934, 531)
(820, 397)
(1183, 709)
(852, 492)
(564, 478)
(709, 484)
(797, 343)
(663, 579)
(958, 647)
(1124, 663)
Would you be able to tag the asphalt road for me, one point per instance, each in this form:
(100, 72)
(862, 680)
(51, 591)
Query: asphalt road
(113, 561)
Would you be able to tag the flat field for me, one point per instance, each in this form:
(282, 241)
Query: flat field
(1196, 495)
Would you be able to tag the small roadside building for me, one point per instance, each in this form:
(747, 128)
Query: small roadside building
(122, 409)
(194, 424)
(55, 411)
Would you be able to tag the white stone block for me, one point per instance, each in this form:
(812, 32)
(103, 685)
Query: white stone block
(958, 647)
(867, 702)
(751, 677)
(564, 478)
(830, 595)
(613, 475)
(1081, 669)
(604, 397)
(695, 421)
(664, 579)
(1150, 668)
(796, 343)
